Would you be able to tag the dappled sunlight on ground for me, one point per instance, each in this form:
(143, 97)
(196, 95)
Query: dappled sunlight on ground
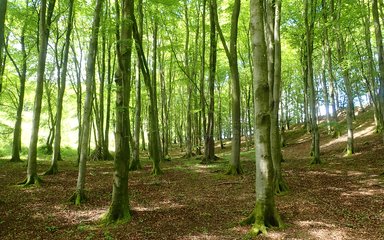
(356, 134)
(329, 234)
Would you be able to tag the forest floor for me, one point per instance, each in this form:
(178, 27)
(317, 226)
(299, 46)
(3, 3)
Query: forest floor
(343, 198)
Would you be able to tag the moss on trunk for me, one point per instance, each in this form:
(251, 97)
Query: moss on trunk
(135, 165)
(235, 170)
(32, 180)
(263, 217)
(117, 215)
(52, 170)
(78, 197)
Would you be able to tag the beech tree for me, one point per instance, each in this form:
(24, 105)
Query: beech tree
(231, 52)
(79, 196)
(265, 213)
(3, 9)
(209, 140)
(45, 20)
(59, 102)
(22, 73)
(119, 209)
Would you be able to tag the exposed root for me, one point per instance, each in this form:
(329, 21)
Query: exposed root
(188, 155)
(281, 187)
(99, 155)
(15, 160)
(135, 165)
(116, 216)
(234, 171)
(261, 221)
(78, 198)
(156, 171)
(315, 161)
(52, 170)
(31, 180)
(205, 160)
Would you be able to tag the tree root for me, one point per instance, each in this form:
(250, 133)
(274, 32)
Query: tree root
(205, 160)
(156, 171)
(99, 155)
(234, 171)
(32, 180)
(15, 160)
(51, 171)
(281, 187)
(116, 216)
(78, 198)
(260, 222)
(135, 166)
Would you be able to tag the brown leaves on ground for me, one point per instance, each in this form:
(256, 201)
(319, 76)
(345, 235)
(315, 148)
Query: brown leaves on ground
(343, 198)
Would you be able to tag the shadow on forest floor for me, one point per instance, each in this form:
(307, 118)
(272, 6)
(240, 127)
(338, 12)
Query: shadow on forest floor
(342, 198)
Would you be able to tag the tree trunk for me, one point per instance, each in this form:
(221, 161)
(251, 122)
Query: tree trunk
(3, 9)
(44, 26)
(309, 27)
(120, 209)
(265, 212)
(189, 142)
(380, 54)
(59, 104)
(203, 118)
(79, 196)
(234, 166)
(16, 143)
(209, 140)
(350, 108)
(153, 114)
(371, 83)
(280, 184)
(135, 164)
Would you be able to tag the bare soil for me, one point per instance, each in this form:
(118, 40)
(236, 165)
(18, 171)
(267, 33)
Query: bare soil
(343, 198)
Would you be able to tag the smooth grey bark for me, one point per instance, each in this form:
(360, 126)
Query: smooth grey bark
(277, 156)
(324, 50)
(3, 10)
(231, 52)
(265, 213)
(120, 209)
(187, 63)
(380, 55)
(309, 29)
(202, 116)
(154, 140)
(135, 163)
(59, 103)
(79, 196)
(45, 20)
(348, 88)
(22, 73)
(209, 139)
(370, 79)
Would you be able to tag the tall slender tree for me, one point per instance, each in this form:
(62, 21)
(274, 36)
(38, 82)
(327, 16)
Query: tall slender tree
(380, 54)
(59, 102)
(153, 112)
(3, 10)
(79, 196)
(209, 139)
(22, 73)
(231, 52)
(135, 163)
(119, 209)
(265, 213)
(309, 18)
(45, 20)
